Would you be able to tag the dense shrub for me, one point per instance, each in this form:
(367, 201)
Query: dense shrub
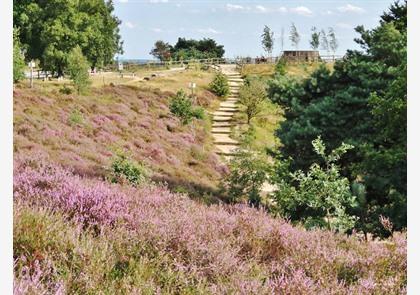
(248, 171)
(125, 169)
(363, 101)
(182, 107)
(93, 237)
(321, 197)
(220, 85)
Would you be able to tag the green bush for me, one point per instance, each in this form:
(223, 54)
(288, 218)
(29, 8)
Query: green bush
(182, 107)
(65, 90)
(220, 85)
(281, 67)
(124, 169)
(75, 118)
(78, 68)
(319, 198)
(248, 172)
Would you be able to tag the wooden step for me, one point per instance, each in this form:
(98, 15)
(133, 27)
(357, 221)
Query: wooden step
(221, 130)
(227, 150)
(221, 124)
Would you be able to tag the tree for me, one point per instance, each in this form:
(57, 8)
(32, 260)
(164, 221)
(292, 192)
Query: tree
(78, 68)
(321, 197)
(18, 58)
(267, 40)
(294, 36)
(333, 42)
(252, 95)
(197, 49)
(248, 172)
(314, 42)
(324, 41)
(162, 50)
(49, 30)
(362, 102)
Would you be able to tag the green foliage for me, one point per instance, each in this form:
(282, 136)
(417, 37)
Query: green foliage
(320, 197)
(196, 49)
(315, 35)
(362, 102)
(65, 90)
(267, 40)
(220, 85)
(78, 69)
(252, 96)
(248, 172)
(280, 67)
(125, 169)
(182, 107)
(75, 118)
(18, 58)
(49, 30)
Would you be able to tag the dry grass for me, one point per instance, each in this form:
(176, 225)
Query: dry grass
(293, 69)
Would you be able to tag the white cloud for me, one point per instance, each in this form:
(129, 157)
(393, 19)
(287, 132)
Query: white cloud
(235, 7)
(302, 10)
(129, 25)
(157, 1)
(157, 30)
(209, 31)
(351, 8)
(344, 26)
(261, 8)
(282, 9)
(123, 1)
(328, 12)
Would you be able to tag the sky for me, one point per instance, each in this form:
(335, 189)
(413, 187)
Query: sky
(238, 25)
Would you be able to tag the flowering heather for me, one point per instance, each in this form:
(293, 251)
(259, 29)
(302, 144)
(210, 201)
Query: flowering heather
(111, 118)
(103, 238)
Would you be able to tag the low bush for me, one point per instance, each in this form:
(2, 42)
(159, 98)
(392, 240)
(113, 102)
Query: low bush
(65, 90)
(75, 117)
(248, 172)
(181, 106)
(125, 169)
(220, 85)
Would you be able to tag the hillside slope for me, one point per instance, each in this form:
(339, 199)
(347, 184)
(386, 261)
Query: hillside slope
(84, 132)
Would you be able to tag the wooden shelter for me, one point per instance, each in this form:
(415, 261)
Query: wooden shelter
(301, 55)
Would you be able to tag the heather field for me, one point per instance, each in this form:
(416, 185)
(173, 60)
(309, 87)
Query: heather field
(74, 235)
(85, 131)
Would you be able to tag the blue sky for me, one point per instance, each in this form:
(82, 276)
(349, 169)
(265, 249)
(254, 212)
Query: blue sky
(238, 25)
